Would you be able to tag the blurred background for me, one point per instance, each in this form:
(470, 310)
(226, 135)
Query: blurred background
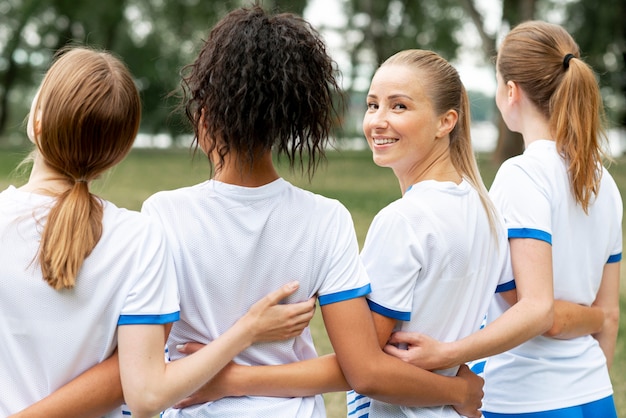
(157, 38)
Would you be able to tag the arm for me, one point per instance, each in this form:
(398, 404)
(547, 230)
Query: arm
(151, 385)
(99, 389)
(91, 395)
(370, 372)
(607, 299)
(532, 315)
(571, 320)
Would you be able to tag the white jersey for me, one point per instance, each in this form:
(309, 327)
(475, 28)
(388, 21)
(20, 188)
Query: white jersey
(533, 193)
(232, 246)
(434, 265)
(48, 337)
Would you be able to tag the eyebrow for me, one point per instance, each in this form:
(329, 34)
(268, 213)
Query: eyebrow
(393, 96)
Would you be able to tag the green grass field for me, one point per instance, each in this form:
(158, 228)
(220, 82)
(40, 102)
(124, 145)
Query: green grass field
(349, 176)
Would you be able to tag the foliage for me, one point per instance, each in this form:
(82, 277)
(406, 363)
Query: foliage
(600, 32)
(156, 38)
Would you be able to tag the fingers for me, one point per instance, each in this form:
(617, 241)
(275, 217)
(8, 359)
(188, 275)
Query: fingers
(392, 350)
(189, 348)
(276, 296)
(184, 403)
(400, 337)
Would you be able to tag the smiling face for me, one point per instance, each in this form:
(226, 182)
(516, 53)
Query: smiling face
(400, 124)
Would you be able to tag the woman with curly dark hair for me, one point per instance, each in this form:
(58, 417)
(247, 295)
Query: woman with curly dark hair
(262, 84)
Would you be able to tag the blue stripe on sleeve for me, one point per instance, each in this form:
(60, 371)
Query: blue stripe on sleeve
(506, 286)
(390, 313)
(530, 233)
(614, 258)
(345, 295)
(148, 319)
(478, 367)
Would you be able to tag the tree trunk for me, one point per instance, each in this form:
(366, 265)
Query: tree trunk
(511, 143)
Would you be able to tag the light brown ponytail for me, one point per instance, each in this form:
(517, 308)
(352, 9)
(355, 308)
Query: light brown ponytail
(577, 112)
(90, 113)
(544, 60)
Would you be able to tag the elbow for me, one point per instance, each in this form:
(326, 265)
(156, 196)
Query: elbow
(146, 405)
(367, 381)
(611, 318)
(545, 319)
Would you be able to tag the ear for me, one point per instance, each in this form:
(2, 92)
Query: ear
(33, 126)
(513, 92)
(447, 122)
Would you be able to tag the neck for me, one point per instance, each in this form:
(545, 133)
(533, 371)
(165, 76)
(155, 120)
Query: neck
(533, 125)
(439, 168)
(44, 180)
(233, 171)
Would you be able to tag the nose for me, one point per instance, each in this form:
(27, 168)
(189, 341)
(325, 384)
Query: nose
(376, 120)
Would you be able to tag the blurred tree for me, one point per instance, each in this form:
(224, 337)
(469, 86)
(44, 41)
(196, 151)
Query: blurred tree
(513, 12)
(379, 28)
(599, 28)
(156, 38)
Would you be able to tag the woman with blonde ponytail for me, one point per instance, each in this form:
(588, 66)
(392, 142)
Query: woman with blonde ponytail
(80, 277)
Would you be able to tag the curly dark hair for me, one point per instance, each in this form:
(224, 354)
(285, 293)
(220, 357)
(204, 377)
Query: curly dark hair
(262, 82)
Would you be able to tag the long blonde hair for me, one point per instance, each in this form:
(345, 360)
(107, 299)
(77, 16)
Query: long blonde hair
(89, 116)
(544, 60)
(446, 92)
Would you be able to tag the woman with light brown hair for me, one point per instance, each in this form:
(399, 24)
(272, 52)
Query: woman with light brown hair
(79, 276)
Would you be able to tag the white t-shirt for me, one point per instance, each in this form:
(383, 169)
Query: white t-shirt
(232, 246)
(434, 266)
(533, 194)
(49, 337)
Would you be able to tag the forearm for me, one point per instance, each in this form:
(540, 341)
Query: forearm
(92, 394)
(572, 320)
(299, 379)
(607, 338)
(390, 381)
(521, 322)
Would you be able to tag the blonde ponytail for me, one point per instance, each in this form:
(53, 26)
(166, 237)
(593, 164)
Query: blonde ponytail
(89, 116)
(73, 228)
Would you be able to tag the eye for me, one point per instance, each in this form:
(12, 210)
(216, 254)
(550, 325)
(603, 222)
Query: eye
(399, 106)
(372, 106)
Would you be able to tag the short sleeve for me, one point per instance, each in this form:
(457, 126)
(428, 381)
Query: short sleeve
(392, 257)
(618, 205)
(522, 202)
(346, 277)
(153, 297)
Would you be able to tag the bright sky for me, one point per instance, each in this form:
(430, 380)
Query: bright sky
(470, 64)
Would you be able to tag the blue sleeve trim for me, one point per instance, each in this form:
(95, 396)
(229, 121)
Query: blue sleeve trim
(148, 319)
(478, 367)
(530, 233)
(390, 313)
(506, 286)
(344, 295)
(614, 258)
